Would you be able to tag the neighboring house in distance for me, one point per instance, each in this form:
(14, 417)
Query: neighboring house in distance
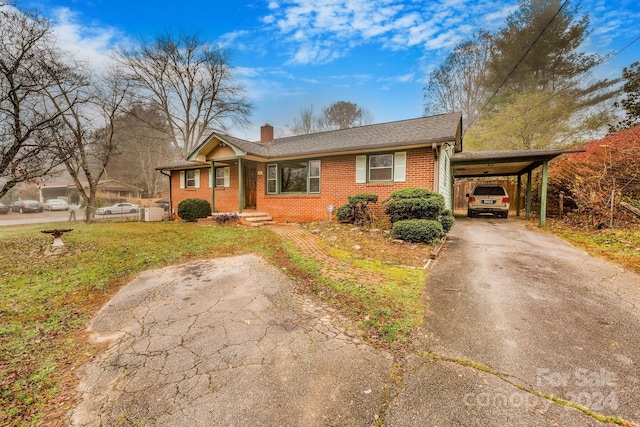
(107, 188)
(297, 178)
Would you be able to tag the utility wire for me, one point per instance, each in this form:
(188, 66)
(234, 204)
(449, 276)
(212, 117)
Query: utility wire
(518, 63)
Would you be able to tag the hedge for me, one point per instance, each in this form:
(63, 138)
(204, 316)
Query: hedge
(192, 209)
(417, 230)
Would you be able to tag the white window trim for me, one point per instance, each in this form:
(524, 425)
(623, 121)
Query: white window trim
(196, 180)
(398, 169)
(370, 168)
(272, 165)
(226, 177)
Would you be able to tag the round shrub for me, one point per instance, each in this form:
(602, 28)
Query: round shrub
(400, 209)
(345, 213)
(412, 193)
(192, 209)
(447, 220)
(417, 230)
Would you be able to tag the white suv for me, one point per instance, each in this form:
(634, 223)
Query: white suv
(492, 199)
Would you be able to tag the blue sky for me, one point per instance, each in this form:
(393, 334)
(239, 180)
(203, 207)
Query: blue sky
(291, 54)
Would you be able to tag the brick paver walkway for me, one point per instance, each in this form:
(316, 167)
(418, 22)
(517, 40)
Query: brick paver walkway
(332, 268)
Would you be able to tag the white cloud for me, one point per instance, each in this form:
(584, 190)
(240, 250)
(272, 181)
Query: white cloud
(323, 30)
(86, 43)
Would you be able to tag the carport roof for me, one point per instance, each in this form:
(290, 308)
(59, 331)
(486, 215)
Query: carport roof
(474, 164)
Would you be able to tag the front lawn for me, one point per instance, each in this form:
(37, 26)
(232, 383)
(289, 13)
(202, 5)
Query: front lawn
(46, 301)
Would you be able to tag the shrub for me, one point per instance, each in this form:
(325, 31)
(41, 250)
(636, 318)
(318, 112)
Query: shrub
(357, 210)
(192, 209)
(447, 220)
(414, 203)
(417, 230)
(224, 218)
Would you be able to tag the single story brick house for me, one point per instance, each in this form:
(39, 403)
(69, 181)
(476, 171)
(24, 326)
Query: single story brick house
(297, 178)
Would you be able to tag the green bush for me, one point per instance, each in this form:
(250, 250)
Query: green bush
(345, 213)
(357, 210)
(426, 204)
(417, 230)
(447, 220)
(192, 209)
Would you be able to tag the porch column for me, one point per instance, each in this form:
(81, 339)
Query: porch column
(212, 180)
(518, 196)
(528, 212)
(240, 187)
(543, 194)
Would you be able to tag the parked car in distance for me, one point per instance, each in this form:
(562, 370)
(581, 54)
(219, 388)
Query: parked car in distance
(24, 206)
(56, 205)
(118, 208)
(4, 209)
(488, 199)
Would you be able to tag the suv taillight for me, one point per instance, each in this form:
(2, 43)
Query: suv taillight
(472, 199)
(505, 200)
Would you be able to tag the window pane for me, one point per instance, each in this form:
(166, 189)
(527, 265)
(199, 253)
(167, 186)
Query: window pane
(271, 186)
(220, 177)
(314, 185)
(293, 178)
(190, 178)
(380, 174)
(381, 161)
(314, 168)
(271, 172)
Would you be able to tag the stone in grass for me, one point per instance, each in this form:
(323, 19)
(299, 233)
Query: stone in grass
(356, 247)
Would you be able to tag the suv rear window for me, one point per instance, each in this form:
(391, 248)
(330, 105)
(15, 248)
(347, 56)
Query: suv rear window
(489, 191)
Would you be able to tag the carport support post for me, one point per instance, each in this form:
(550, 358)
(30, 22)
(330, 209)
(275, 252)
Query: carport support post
(528, 211)
(543, 194)
(240, 187)
(213, 189)
(518, 195)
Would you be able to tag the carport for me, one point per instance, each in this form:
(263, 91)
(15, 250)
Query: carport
(482, 164)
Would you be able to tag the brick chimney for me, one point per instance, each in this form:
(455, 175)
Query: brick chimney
(266, 133)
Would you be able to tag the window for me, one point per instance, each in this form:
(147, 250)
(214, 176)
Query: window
(389, 167)
(190, 178)
(222, 176)
(381, 167)
(294, 177)
(272, 179)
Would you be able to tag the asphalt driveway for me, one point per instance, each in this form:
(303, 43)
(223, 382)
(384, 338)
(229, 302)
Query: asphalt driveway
(514, 314)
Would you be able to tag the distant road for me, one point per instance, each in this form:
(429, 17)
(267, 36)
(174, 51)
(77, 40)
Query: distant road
(16, 218)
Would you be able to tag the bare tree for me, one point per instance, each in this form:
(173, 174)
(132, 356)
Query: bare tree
(343, 115)
(190, 83)
(85, 147)
(339, 115)
(142, 145)
(459, 83)
(306, 123)
(29, 69)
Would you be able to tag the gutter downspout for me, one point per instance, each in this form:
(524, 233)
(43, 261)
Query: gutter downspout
(170, 193)
(213, 188)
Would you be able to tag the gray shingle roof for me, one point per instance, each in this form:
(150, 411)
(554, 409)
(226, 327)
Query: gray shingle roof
(420, 131)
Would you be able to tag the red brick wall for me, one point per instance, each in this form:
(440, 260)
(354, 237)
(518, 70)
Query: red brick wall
(338, 180)
(338, 176)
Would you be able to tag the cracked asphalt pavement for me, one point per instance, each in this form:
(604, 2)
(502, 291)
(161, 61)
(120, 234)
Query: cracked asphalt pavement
(515, 313)
(227, 342)
(516, 319)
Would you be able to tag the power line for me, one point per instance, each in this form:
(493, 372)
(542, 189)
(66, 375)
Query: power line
(519, 62)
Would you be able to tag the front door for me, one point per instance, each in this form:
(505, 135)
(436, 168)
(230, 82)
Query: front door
(250, 180)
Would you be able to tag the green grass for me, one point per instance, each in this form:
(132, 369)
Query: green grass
(620, 246)
(46, 302)
(387, 312)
